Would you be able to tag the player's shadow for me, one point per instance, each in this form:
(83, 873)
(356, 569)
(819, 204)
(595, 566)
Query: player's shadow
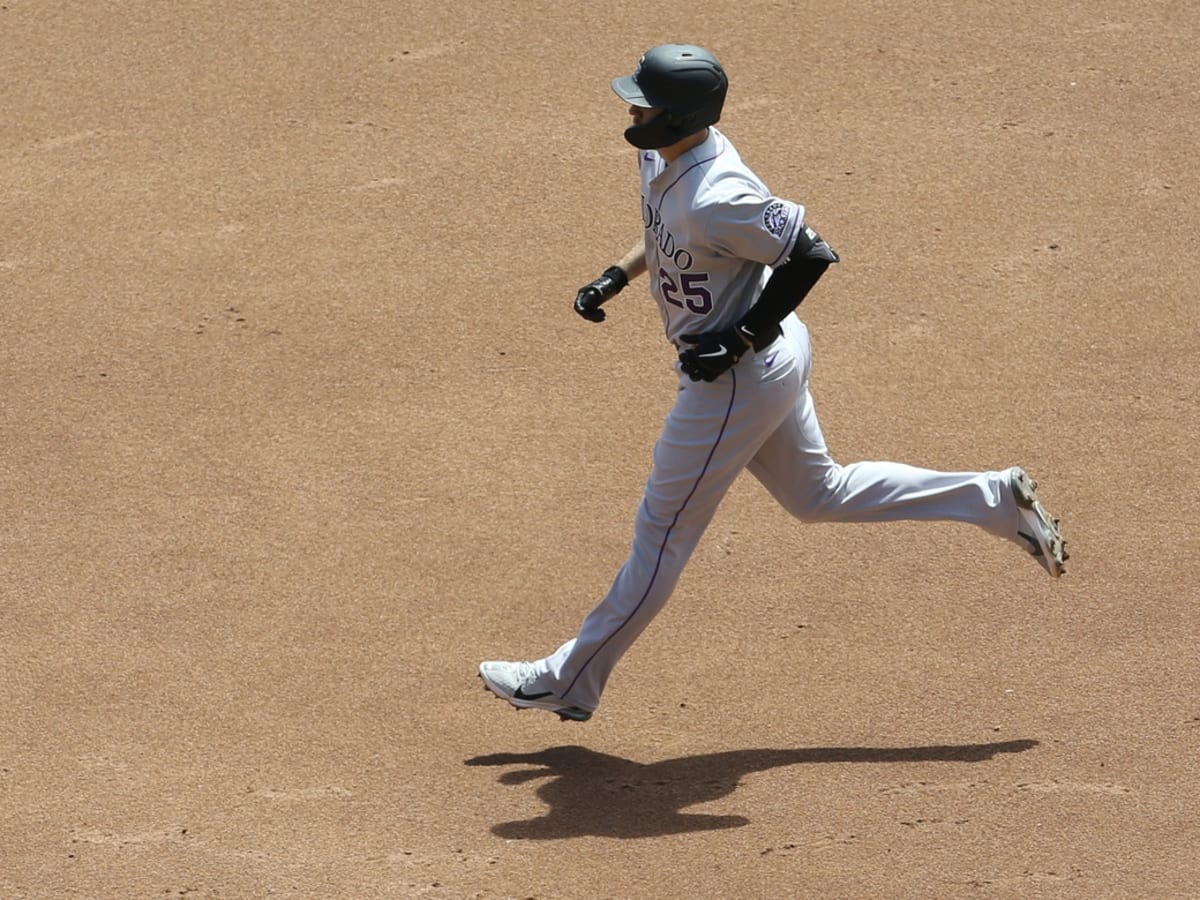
(592, 793)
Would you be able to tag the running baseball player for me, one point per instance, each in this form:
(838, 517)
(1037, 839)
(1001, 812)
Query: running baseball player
(728, 263)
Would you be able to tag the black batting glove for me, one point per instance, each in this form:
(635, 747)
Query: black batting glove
(715, 353)
(590, 296)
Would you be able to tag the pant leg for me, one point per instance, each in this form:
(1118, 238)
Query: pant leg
(794, 465)
(712, 431)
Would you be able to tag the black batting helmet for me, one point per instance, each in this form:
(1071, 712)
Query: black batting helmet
(683, 80)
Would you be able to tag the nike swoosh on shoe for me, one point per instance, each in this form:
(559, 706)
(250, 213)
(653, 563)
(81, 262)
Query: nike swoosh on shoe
(519, 694)
(1035, 547)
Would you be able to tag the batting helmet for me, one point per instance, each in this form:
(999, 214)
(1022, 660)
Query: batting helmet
(683, 80)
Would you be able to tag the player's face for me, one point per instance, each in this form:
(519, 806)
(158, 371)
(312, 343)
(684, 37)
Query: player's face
(642, 114)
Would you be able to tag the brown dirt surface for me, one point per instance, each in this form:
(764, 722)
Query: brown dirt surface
(297, 425)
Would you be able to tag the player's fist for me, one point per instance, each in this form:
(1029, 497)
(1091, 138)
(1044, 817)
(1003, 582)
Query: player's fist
(587, 303)
(591, 296)
(714, 353)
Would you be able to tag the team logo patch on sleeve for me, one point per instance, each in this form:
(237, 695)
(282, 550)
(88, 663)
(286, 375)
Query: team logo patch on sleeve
(775, 218)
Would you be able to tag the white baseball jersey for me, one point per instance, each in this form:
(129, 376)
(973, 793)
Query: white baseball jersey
(713, 234)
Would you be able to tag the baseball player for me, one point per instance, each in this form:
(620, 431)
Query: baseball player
(728, 263)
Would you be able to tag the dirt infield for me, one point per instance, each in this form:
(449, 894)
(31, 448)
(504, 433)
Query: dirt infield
(297, 425)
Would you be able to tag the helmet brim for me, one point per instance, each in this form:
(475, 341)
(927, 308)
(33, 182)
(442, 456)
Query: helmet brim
(627, 89)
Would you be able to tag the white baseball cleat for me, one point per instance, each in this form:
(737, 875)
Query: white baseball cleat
(516, 682)
(1038, 529)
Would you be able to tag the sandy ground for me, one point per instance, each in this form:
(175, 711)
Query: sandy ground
(296, 426)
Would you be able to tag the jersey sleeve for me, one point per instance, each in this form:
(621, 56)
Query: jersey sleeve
(755, 226)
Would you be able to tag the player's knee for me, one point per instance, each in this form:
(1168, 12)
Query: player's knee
(806, 509)
(811, 499)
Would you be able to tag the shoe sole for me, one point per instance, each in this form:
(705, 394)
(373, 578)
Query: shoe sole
(1051, 548)
(565, 713)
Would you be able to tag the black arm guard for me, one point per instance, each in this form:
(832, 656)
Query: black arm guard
(787, 287)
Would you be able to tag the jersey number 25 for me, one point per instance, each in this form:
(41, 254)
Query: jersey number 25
(695, 295)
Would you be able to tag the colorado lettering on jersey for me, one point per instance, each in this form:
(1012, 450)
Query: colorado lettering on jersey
(663, 238)
(713, 231)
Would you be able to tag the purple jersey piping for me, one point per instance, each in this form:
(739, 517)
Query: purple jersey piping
(698, 162)
(666, 538)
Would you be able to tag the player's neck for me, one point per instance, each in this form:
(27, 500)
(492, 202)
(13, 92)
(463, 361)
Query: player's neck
(676, 150)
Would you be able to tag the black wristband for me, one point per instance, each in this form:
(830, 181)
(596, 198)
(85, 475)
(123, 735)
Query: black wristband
(618, 277)
(758, 336)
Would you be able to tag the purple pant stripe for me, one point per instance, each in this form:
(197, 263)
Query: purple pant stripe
(666, 537)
